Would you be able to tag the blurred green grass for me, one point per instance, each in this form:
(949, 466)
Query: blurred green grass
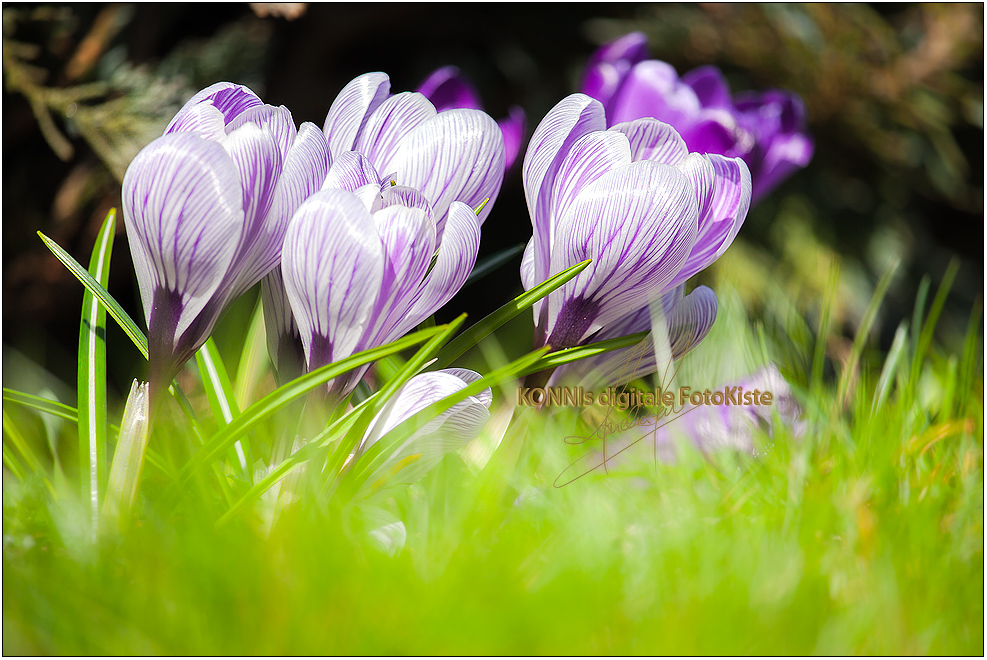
(865, 536)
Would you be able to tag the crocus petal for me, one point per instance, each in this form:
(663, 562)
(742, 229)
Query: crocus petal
(456, 156)
(455, 260)
(256, 157)
(727, 212)
(350, 170)
(276, 120)
(591, 156)
(710, 87)
(469, 377)
(638, 223)
(572, 118)
(408, 238)
(388, 125)
(653, 89)
(204, 119)
(349, 112)
(690, 320)
(304, 170)
(333, 266)
(786, 154)
(447, 89)
(183, 209)
(229, 98)
(655, 140)
(512, 127)
(630, 48)
(440, 435)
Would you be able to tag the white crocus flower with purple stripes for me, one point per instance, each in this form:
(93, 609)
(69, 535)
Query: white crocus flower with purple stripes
(438, 436)
(358, 266)
(649, 213)
(206, 207)
(441, 164)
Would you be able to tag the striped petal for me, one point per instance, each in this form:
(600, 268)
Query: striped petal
(651, 139)
(351, 109)
(276, 120)
(726, 213)
(455, 259)
(690, 320)
(333, 266)
(638, 224)
(448, 89)
(183, 209)
(389, 124)
(350, 171)
(284, 342)
(304, 170)
(229, 98)
(440, 435)
(572, 118)
(456, 156)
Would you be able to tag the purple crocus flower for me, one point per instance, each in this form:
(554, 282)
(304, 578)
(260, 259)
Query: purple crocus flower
(206, 207)
(649, 213)
(766, 129)
(404, 162)
(448, 89)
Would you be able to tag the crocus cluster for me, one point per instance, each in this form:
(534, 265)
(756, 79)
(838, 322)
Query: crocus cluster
(649, 213)
(393, 236)
(766, 129)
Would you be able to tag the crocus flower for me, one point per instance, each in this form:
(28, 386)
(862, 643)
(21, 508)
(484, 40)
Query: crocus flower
(435, 438)
(649, 213)
(448, 89)
(206, 207)
(389, 151)
(766, 129)
(356, 268)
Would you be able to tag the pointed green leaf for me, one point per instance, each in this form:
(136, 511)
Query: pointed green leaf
(92, 375)
(492, 263)
(476, 332)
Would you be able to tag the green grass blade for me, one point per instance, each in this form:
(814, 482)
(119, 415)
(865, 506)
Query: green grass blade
(492, 263)
(49, 407)
(92, 375)
(925, 338)
(219, 392)
(565, 356)
(891, 364)
(41, 404)
(100, 293)
(476, 332)
(253, 360)
(870, 315)
(822, 335)
(289, 392)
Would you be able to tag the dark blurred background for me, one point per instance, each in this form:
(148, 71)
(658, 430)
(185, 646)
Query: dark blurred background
(894, 95)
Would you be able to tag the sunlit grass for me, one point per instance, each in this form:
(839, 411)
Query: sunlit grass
(864, 535)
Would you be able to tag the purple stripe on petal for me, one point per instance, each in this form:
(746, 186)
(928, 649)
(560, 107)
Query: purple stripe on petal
(455, 260)
(276, 120)
(349, 112)
(572, 118)
(229, 98)
(638, 223)
(350, 170)
(651, 139)
(389, 124)
(456, 156)
(591, 156)
(204, 119)
(690, 320)
(332, 264)
(727, 212)
(182, 207)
